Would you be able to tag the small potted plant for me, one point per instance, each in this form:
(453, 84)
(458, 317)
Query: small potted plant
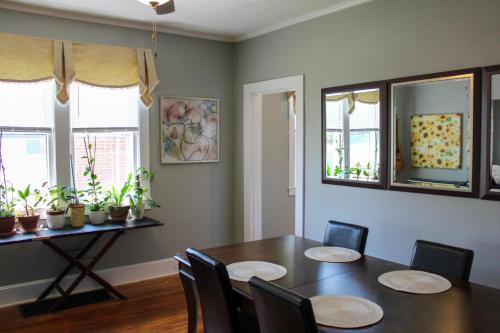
(56, 217)
(97, 215)
(139, 200)
(115, 198)
(72, 196)
(7, 205)
(29, 200)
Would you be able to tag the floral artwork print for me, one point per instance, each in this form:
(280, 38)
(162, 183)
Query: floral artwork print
(189, 130)
(436, 141)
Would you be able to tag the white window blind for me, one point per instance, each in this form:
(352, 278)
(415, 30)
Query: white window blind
(103, 108)
(27, 106)
(365, 116)
(334, 115)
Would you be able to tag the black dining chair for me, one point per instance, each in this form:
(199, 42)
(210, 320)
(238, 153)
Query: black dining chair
(219, 308)
(346, 235)
(450, 261)
(281, 311)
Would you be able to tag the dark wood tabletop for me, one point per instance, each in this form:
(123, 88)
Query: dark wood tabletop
(68, 231)
(466, 307)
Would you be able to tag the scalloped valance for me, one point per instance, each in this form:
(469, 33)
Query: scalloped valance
(368, 97)
(27, 59)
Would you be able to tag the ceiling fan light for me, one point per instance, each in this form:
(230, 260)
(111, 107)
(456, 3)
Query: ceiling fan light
(154, 2)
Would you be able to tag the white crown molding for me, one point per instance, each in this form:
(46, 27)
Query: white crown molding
(299, 19)
(161, 28)
(29, 291)
(108, 21)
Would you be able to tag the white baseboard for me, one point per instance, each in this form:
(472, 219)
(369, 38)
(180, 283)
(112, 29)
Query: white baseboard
(29, 291)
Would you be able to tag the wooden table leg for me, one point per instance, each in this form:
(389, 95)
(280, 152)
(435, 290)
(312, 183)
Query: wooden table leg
(191, 300)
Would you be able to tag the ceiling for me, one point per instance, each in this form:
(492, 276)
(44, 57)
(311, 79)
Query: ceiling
(227, 20)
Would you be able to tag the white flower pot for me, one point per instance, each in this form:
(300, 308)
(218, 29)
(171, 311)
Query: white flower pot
(97, 217)
(137, 212)
(56, 220)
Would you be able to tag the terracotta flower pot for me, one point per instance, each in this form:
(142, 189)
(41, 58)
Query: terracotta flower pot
(77, 215)
(119, 213)
(56, 219)
(29, 223)
(7, 225)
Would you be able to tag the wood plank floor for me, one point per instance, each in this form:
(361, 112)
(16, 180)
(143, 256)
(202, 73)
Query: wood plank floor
(153, 306)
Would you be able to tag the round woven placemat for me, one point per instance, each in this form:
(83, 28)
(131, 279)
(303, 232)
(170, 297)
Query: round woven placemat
(345, 311)
(415, 282)
(332, 254)
(244, 270)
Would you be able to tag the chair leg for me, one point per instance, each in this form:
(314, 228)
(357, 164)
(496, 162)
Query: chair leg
(192, 303)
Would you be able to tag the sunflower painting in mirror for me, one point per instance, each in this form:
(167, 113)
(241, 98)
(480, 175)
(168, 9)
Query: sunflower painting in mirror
(189, 130)
(436, 141)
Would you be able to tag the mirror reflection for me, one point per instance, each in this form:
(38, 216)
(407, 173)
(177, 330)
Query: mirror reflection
(352, 135)
(495, 133)
(431, 131)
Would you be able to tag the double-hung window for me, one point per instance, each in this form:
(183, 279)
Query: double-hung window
(352, 138)
(27, 124)
(111, 117)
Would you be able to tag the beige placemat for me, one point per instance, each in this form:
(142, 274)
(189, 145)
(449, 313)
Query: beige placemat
(244, 270)
(332, 254)
(345, 311)
(415, 282)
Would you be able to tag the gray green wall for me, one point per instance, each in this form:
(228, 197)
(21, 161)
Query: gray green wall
(278, 208)
(379, 40)
(196, 199)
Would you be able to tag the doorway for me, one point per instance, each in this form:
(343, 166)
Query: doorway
(254, 94)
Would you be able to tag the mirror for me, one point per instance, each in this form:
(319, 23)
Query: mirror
(433, 128)
(354, 135)
(491, 138)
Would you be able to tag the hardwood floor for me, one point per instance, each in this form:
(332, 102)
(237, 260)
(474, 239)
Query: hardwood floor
(153, 306)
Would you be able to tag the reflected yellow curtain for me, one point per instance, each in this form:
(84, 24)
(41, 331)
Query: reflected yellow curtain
(369, 97)
(25, 58)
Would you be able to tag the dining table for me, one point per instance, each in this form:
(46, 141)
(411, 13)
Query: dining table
(466, 307)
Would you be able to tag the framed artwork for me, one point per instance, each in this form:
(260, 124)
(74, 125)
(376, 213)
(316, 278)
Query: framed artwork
(436, 141)
(189, 130)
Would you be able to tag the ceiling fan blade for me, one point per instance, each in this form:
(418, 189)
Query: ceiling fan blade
(166, 8)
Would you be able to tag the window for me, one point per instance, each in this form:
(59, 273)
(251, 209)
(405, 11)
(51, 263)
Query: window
(27, 123)
(111, 117)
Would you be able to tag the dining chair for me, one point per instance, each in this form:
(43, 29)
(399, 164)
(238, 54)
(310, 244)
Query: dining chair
(450, 261)
(220, 312)
(346, 235)
(280, 310)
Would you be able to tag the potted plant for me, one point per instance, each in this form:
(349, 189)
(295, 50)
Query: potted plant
(7, 206)
(139, 200)
(56, 217)
(115, 198)
(29, 200)
(97, 215)
(72, 196)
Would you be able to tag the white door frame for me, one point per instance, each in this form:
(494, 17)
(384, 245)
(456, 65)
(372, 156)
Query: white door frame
(252, 152)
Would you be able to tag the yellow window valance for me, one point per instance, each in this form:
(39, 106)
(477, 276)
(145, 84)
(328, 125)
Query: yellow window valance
(369, 97)
(31, 59)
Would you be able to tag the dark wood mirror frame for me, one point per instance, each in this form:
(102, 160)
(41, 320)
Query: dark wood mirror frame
(382, 87)
(486, 192)
(475, 135)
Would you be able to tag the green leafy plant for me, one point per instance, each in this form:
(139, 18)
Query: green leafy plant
(71, 195)
(29, 199)
(94, 191)
(7, 204)
(54, 199)
(366, 170)
(115, 197)
(139, 198)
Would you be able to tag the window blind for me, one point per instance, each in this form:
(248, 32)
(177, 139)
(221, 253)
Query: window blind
(27, 106)
(103, 108)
